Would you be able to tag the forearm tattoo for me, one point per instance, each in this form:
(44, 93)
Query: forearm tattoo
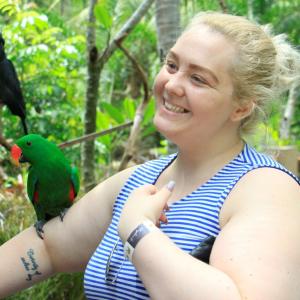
(30, 265)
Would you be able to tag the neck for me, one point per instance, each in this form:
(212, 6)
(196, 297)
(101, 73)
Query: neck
(193, 167)
(209, 152)
(197, 165)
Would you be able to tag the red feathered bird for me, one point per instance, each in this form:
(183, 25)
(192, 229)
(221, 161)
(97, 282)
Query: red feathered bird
(10, 89)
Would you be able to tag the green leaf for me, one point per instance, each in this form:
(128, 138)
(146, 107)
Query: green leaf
(149, 112)
(100, 27)
(103, 16)
(102, 120)
(105, 140)
(49, 89)
(113, 112)
(103, 123)
(129, 107)
(40, 23)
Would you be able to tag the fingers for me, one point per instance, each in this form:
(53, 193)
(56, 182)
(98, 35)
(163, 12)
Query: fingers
(152, 202)
(157, 224)
(146, 189)
(170, 186)
(163, 218)
(164, 194)
(149, 189)
(166, 207)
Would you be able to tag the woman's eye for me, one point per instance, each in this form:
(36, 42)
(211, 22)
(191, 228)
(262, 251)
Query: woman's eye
(198, 79)
(171, 66)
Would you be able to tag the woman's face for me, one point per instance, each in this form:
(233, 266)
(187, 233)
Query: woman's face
(193, 90)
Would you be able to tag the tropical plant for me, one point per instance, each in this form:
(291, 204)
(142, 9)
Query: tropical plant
(46, 42)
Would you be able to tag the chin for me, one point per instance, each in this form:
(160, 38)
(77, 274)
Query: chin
(165, 129)
(158, 124)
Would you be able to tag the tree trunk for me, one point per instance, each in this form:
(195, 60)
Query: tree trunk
(167, 14)
(91, 96)
(285, 123)
(95, 64)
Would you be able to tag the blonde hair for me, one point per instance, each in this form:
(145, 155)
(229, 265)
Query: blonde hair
(263, 67)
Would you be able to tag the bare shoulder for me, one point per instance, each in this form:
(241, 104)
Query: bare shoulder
(259, 245)
(261, 187)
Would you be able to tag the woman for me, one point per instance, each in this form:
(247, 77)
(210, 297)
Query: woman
(216, 82)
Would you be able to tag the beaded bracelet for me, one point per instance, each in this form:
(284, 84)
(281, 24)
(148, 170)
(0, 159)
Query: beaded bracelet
(136, 235)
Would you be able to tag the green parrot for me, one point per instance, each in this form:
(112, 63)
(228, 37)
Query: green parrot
(53, 181)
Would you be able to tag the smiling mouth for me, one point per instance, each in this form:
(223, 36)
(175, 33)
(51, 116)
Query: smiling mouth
(176, 109)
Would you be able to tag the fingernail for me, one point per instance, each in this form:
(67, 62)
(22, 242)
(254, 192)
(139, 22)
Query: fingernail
(170, 186)
(167, 222)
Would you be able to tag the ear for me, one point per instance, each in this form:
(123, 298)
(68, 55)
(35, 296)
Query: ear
(242, 112)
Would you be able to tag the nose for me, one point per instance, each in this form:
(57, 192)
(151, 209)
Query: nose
(175, 84)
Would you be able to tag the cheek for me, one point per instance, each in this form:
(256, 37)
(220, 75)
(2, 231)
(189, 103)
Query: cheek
(159, 83)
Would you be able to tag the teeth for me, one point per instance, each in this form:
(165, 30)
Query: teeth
(174, 108)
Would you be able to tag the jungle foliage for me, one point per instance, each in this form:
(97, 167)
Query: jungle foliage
(46, 42)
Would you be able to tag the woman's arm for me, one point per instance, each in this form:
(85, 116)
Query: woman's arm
(255, 256)
(67, 246)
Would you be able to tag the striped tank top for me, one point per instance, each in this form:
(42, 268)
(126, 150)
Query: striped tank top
(191, 219)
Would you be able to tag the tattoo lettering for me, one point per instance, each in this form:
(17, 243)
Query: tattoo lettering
(30, 266)
(30, 254)
(26, 264)
(31, 275)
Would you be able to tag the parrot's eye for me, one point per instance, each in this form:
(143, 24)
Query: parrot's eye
(29, 143)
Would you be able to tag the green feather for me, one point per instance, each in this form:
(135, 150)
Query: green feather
(51, 176)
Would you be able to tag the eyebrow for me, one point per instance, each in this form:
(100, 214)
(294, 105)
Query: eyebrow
(197, 67)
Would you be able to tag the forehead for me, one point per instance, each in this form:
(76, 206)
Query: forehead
(201, 45)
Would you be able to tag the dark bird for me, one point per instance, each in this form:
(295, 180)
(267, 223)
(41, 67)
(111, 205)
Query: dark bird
(10, 88)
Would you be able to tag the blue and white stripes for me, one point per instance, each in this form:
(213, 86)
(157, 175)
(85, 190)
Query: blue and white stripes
(191, 220)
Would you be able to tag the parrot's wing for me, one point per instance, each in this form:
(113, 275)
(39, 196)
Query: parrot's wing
(31, 184)
(75, 178)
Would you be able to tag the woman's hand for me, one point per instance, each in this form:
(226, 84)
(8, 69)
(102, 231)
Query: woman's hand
(144, 203)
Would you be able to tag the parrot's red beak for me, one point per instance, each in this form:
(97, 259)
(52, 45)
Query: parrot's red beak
(16, 153)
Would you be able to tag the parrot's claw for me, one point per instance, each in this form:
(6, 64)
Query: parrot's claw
(62, 214)
(39, 228)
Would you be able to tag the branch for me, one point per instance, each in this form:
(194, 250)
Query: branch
(122, 93)
(223, 6)
(93, 76)
(126, 29)
(5, 143)
(93, 135)
(139, 114)
(285, 123)
(83, 138)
